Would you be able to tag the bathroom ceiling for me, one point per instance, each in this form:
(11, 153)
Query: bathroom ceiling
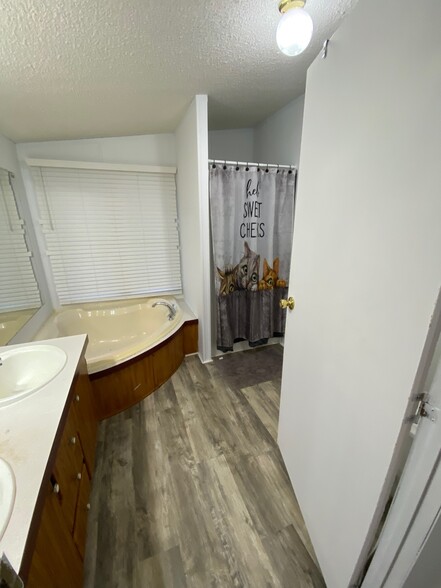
(125, 67)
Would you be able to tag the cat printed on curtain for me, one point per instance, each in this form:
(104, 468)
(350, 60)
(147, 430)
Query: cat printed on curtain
(252, 212)
(246, 274)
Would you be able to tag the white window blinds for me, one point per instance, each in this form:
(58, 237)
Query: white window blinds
(18, 286)
(109, 234)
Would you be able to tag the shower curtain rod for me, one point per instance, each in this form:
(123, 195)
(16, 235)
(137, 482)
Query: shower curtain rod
(225, 162)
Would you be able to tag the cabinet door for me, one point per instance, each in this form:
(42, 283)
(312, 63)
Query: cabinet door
(55, 561)
(68, 464)
(86, 421)
(80, 529)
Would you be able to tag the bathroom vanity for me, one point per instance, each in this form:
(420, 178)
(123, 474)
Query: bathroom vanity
(49, 440)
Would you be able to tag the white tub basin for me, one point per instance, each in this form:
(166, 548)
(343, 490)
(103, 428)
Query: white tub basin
(7, 494)
(26, 369)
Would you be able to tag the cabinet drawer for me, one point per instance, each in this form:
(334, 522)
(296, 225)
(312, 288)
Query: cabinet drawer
(67, 466)
(86, 422)
(80, 529)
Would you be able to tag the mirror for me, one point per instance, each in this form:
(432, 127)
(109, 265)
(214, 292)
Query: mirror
(19, 292)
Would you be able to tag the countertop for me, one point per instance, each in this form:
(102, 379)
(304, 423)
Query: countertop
(27, 432)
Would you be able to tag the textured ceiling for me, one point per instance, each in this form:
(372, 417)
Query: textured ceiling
(88, 68)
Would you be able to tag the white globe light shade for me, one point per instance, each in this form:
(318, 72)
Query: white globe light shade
(294, 31)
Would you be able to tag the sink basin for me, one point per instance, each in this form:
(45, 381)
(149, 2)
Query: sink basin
(26, 369)
(7, 494)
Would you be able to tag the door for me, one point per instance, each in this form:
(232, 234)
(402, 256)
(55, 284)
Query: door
(366, 271)
(427, 569)
(408, 548)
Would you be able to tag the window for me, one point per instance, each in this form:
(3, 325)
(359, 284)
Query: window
(111, 232)
(18, 286)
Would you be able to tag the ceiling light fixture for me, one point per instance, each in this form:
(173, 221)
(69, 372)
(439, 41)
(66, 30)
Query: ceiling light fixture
(295, 27)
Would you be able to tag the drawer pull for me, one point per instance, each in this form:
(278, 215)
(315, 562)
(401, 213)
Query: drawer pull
(56, 488)
(79, 476)
(73, 440)
(77, 398)
(88, 506)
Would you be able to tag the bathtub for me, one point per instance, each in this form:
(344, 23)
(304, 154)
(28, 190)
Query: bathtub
(118, 331)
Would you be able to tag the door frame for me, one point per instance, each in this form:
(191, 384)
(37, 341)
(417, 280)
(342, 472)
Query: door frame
(413, 510)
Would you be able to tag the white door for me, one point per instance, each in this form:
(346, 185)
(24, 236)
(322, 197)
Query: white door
(427, 569)
(408, 548)
(366, 269)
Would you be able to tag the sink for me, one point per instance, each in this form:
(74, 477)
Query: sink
(7, 494)
(24, 370)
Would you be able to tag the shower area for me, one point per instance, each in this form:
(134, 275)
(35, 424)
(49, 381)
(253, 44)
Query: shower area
(252, 176)
(251, 213)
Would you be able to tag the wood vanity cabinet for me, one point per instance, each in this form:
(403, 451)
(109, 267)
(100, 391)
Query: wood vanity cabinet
(80, 529)
(56, 562)
(57, 559)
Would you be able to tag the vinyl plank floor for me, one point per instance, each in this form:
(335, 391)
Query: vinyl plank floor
(251, 367)
(116, 513)
(190, 489)
(164, 569)
(264, 400)
(291, 558)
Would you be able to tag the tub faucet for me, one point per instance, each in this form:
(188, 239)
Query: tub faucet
(171, 308)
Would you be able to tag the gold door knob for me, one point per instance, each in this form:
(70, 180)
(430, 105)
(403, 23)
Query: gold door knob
(290, 303)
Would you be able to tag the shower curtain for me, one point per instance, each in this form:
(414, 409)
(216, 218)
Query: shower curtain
(252, 212)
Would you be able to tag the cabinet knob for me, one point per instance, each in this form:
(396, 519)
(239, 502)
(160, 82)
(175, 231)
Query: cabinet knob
(88, 506)
(77, 398)
(79, 476)
(56, 489)
(73, 440)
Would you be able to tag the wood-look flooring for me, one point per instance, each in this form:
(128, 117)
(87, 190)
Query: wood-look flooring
(190, 489)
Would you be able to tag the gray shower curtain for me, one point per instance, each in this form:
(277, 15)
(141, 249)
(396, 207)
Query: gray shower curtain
(252, 212)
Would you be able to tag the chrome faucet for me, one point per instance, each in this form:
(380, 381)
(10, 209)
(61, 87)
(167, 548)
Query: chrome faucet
(171, 308)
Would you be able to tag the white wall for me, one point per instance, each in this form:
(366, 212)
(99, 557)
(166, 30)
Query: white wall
(231, 144)
(192, 191)
(367, 247)
(8, 155)
(138, 149)
(277, 139)
(9, 161)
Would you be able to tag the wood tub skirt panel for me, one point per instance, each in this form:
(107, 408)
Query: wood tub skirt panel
(124, 385)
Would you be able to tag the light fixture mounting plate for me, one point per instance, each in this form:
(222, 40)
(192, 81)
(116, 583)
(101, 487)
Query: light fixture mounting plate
(285, 5)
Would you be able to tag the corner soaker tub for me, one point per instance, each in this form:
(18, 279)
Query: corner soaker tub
(133, 346)
(118, 330)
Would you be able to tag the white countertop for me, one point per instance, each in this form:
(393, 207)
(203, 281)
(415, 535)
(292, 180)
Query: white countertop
(27, 433)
